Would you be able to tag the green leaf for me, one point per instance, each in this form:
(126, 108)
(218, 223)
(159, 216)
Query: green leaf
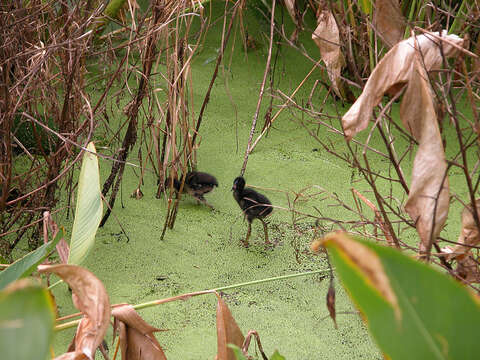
(276, 356)
(89, 208)
(26, 265)
(237, 351)
(412, 310)
(26, 322)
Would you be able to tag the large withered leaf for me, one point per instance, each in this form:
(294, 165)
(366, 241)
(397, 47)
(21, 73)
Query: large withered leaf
(389, 21)
(428, 199)
(228, 332)
(326, 36)
(393, 71)
(136, 336)
(90, 297)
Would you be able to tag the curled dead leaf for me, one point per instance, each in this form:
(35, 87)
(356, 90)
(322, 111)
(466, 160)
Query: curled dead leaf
(428, 199)
(408, 63)
(136, 335)
(331, 303)
(366, 262)
(395, 69)
(389, 21)
(91, 298)
(326, 36)
(469, 234)
(228, 331)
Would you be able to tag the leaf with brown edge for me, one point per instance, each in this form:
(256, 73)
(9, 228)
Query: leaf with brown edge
(228, 331)
(136, 336)
(91, 298)
(394, 70)
(389, 21)
(365, 261)
(327, 38)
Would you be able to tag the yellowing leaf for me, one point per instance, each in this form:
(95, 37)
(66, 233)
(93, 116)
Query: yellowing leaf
(326, 37)
(91, 298)
(389, 21)
(228, 332)
(136, 336)
(365, 261)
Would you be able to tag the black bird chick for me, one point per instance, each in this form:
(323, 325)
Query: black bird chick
(253, 204)
(196, 184)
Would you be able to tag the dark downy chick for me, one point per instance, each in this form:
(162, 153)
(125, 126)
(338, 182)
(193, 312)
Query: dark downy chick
(253, 204)
(196, 184)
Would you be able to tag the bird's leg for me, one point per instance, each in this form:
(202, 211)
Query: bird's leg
(265, 230)
(201, 199)
(245, 242)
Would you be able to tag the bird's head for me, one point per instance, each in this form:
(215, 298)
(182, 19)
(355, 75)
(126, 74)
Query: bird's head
(238, 184)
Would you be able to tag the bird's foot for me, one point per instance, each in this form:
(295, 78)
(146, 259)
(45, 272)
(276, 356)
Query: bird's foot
(245, 244)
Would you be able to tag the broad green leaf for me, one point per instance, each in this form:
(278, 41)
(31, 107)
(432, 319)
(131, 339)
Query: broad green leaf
(88, 211)
(26, 265)
(427, 315)
(26, 321)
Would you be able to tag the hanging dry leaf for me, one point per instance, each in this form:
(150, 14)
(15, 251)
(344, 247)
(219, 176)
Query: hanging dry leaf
(63, 250)
(467, 268)
(393, 71)
(228, 332)
(90, 297)
(469, 234)
(331, 304)
(367, 262)
(389, 21)
(326, 36)
(136, 336)
(428, 199)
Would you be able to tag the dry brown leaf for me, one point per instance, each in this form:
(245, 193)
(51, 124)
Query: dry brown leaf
(228, 332)
(394, 70)
(63, 250)
(389, 21)
(428, 200)
(326, 36)
(136, 336)
(331, 304)
(467, 269)
(91, 298)
(469, 234)
(367, 262)
(406, 63)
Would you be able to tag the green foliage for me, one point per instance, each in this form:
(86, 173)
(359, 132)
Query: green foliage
(435, 317)
(26, 323)
(25, 266)
(89, 208)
